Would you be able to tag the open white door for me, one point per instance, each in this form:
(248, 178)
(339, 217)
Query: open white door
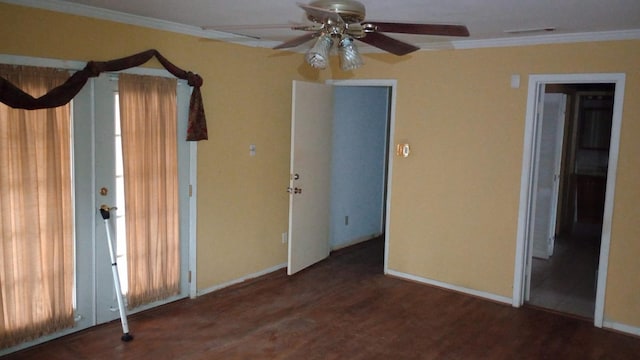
(548, 174)
(558, 105)
(309, 185)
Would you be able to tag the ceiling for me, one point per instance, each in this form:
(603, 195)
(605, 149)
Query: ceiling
(490, 22)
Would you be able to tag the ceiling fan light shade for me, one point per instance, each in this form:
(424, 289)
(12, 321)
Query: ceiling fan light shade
(350, 58)
(318, 55)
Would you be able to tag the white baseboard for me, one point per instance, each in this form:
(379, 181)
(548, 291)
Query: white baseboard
(460, 289)
(355, 241)
(242, 279)
(633, 330)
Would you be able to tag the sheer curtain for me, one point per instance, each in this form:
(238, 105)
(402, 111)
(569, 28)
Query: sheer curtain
(36, 214)
(148, 117)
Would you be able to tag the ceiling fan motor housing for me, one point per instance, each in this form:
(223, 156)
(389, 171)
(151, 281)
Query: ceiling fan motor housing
(350, 11)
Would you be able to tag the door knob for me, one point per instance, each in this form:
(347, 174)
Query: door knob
(296, 190)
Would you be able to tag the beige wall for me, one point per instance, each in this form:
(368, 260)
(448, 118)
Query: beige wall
(455, 200)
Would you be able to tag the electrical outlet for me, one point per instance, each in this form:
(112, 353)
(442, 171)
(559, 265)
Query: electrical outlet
(285, 237)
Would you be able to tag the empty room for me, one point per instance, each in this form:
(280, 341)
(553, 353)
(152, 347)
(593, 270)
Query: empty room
(323, 179)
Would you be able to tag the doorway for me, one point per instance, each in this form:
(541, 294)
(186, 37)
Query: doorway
(359, 158)
(573, 159)
(375, 99)
(527, 212)
(361, 167)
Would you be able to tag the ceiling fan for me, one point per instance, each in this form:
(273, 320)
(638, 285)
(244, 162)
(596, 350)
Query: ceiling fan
(342, 21)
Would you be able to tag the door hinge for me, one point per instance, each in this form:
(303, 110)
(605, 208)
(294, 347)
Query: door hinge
(190, 190)
(189, 281)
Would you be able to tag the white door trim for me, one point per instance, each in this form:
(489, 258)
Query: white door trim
(526, 182)
(193, 217)
(393, 84)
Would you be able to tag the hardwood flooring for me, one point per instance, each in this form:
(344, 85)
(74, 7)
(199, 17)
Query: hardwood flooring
(342, 308)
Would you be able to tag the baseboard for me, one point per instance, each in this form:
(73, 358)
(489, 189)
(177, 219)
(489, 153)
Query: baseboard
(355, 241)
(628, 329)
(242, 279)
(456, 288)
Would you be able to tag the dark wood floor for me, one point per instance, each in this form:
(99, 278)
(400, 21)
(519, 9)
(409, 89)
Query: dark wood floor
(342, 308)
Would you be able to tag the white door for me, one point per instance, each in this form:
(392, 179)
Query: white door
(548, 174)
(309, 185)
(94, 161)
(98, 182)
(105, 194)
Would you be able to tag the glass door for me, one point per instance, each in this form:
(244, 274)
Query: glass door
(99, 181)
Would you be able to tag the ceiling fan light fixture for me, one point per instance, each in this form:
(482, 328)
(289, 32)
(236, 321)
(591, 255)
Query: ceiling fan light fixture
(318, 55)
(350, 58)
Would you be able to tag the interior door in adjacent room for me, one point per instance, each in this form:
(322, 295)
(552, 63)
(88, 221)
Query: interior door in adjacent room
(549, 157)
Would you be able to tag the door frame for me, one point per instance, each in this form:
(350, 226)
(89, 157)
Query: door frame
(392, 85)
(525, 215)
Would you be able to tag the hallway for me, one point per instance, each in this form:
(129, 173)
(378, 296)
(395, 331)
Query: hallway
(566, 282)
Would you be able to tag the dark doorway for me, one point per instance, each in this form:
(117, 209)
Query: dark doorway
(566, 280)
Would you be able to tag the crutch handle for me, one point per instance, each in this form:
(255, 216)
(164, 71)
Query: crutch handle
(105, 211)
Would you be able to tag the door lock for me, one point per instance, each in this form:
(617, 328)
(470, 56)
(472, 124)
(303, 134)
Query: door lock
(296, 190)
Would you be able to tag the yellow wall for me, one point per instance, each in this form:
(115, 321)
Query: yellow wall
(455, 199)
(242, 203)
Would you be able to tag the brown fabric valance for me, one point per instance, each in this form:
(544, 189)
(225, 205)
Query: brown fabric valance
(14, 97)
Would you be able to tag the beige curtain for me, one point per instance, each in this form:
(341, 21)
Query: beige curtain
(148, 117)
(36, 214)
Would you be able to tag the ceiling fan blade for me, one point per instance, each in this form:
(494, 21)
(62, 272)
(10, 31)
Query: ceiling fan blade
(420, 29)
(296, 41)
(386, 43)
(321, 15)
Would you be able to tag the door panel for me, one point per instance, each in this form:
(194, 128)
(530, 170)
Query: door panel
(309, 186)
(106, 302)
(548, 171)
(84, 202)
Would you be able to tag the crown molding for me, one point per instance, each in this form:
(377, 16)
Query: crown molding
(136, 20)
(633, 34)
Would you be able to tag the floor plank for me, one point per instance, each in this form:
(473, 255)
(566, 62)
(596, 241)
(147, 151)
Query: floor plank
(342, 308)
